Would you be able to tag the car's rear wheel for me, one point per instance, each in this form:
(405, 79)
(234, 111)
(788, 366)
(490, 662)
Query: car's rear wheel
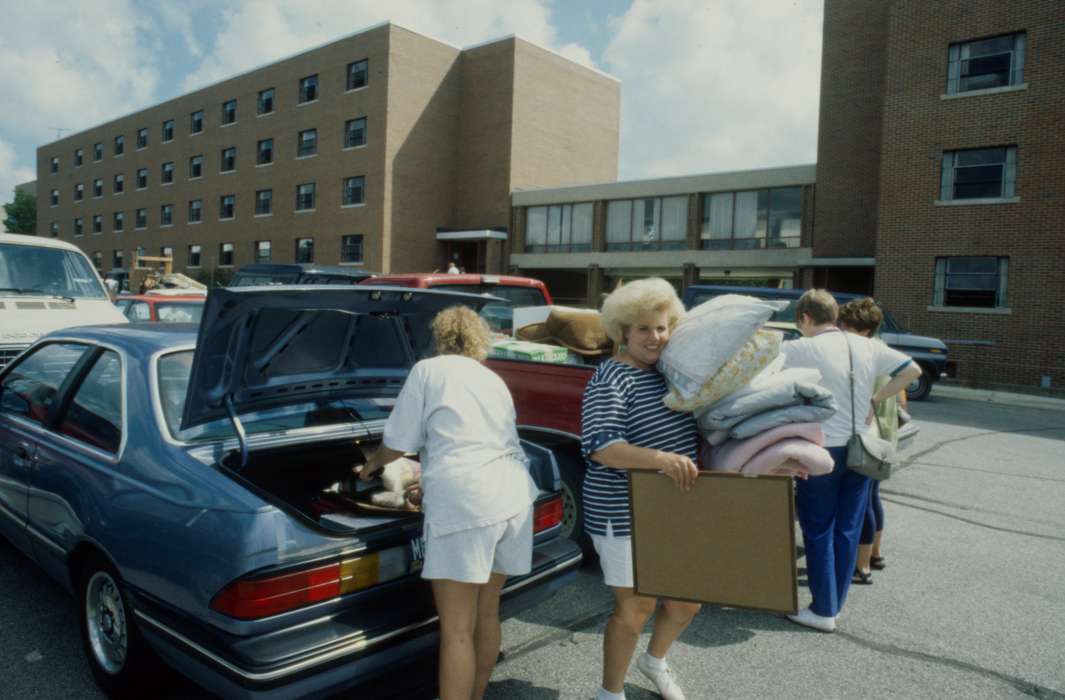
(920, 388)
(121, 661)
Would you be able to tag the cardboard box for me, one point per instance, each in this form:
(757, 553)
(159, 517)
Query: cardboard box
(524, 350)
(730, 541)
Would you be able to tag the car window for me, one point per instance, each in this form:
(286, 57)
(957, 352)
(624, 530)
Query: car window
(94, 415)
(123, 305)
(175, 312)
(32, 386)
(174, 371)
(34, 269)
(139, 311)
(254, 279)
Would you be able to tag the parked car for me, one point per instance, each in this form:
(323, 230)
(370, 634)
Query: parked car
(929, 353)
(263, 274)
(165, 308)
(513, 291)
(46, 284)
(187, 486)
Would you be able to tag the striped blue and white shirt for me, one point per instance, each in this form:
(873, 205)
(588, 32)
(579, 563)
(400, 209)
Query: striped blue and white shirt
(624, 404)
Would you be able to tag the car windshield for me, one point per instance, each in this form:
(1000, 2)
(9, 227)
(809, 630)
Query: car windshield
(499, 315)
(253, 279)
(26, 269)
(174, 371)
(179, 312)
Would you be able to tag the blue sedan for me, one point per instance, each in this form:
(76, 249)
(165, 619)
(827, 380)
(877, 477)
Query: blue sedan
(190, 486)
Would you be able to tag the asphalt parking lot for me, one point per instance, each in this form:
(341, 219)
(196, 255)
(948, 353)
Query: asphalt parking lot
(972, 603)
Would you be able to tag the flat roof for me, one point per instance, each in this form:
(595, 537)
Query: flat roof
(787, 176)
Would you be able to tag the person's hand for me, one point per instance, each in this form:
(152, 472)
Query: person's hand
(679, 468)
(414, 494)
(368, 470)
(872, 413)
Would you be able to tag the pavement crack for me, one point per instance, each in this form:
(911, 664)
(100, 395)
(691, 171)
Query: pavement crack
(993, 472)
(556, 635)
(1027, 687)
(943, 443)
(969, 508)
(970, 521)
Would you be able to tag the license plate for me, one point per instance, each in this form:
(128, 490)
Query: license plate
(417, 553)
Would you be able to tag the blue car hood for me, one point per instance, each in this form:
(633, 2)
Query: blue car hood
(262, 347)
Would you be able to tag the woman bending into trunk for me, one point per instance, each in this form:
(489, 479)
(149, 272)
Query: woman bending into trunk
(477, 493)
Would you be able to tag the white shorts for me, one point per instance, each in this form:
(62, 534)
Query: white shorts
(615, 558)
(471, 556)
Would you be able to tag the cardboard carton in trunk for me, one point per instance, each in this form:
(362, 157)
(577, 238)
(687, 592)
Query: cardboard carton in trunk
(731, 541)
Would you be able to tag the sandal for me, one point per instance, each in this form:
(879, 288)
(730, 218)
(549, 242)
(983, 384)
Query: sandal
(864, 578)
(877, 563)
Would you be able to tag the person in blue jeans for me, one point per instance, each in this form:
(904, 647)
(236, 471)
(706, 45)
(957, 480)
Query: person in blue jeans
(831, 507)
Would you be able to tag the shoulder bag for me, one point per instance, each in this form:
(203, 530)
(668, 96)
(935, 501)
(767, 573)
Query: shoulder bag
(867, 454)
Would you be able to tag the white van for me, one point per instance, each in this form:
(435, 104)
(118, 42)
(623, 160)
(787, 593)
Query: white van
(46, 284)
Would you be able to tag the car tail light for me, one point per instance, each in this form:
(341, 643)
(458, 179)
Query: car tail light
(547, 515)
(255, 598)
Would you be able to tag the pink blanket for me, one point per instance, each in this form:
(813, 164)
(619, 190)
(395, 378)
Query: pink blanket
(793, 449)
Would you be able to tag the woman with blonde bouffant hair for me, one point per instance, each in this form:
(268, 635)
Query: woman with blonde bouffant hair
(477, 492)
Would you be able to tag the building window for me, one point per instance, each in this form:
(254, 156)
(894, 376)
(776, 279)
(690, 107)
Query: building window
(358, 74)
(166, 215)
(351, 249)
(355, 132)
(229, 159)
(647, 224)
(120, 145)
(266, 101)
(304, 250)
(194, 256)
(986, 63)
(354, 191)
(755, 219)
(168, 130)
(97, 259)
(118, 221)
(166, 252)
(79, 227)
(97, 188)
(142, 138)
(195, 211)
(141, 218)
(559, 228)
(265, 152)
(168, 173)
(54, 198)
(142, 179)
(264, 202)
(307, 143)
(229, 112)
(97, 224)
(262, 251)
(196, 122)
(308, 89)
(971, 282)
(54, 229)
(97, 151)
(195, 167)
(305, 196)
(227, 206)
(79, 192)
(55, 164)
(79, 157)
(983, 173)
(120, 184)
(116, 259)
(225, 255)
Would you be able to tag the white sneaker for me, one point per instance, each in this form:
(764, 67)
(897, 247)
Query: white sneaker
(808, 618)
(663, 680)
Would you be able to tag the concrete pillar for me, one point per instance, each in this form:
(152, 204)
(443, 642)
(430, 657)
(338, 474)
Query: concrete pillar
(695, 222)
(689, 276)
(595, 286)
(599, 226)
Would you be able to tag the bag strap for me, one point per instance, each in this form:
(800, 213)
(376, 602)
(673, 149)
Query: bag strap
(850, 356)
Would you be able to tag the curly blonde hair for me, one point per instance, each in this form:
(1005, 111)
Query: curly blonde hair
(458, 330)
(625, 305)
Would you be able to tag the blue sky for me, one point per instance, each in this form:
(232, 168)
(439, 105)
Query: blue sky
(707, 85)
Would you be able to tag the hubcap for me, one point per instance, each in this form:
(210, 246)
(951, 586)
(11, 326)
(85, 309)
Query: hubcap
(106, 618)
(569, 511)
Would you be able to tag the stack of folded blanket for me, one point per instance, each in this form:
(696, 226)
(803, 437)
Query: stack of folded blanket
(756, 417)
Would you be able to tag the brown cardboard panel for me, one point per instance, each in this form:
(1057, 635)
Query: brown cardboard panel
(731, 541)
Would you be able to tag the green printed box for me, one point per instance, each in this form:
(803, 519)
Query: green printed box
(524, 350)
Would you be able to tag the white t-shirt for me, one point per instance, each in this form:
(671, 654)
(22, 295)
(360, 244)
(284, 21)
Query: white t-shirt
(459, 415)
(827, 352)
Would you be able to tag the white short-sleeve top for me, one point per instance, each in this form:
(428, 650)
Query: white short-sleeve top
(459, 416)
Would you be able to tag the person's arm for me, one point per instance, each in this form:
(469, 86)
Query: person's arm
(899, 382)
(622, 455)
(405, 427)
(378, 460)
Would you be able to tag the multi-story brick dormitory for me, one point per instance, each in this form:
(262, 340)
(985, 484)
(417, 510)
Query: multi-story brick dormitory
(385, 149)
(939, 154)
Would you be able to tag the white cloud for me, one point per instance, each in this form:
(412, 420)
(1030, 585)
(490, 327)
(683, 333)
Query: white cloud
(708, 87)
(252, 33)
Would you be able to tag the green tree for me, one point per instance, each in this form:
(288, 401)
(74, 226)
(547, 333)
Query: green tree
(21, 214)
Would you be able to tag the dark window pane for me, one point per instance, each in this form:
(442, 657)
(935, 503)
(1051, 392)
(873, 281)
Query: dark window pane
(95, 414)
(30, 388)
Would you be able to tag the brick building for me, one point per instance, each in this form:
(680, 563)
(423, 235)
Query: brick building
(952, 178)
(385, 149)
